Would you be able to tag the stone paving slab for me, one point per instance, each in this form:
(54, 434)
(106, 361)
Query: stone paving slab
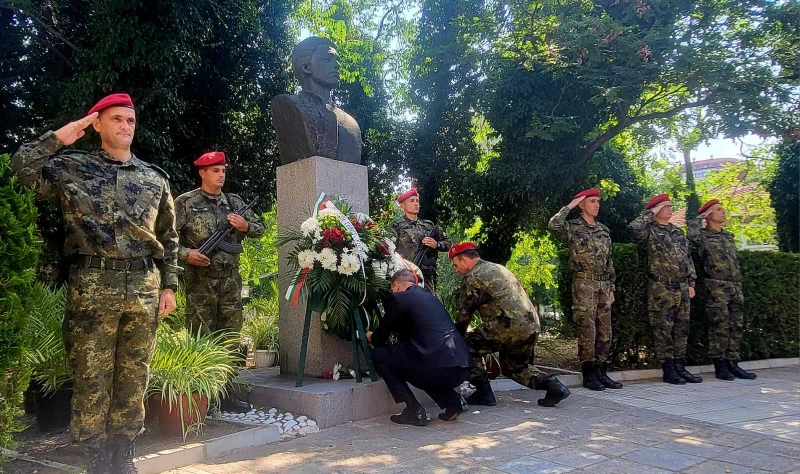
(645, 428)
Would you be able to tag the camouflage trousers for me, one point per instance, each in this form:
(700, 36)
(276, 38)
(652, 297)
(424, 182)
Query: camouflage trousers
(668, 306)
(213, 303)
(517, 356)
(591, 311)
(109, 334)
(725, 313)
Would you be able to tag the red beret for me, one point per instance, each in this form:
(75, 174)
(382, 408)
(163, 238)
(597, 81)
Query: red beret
(705, 206)
(212, 158)
(458, 249)
(113, 100)
(588, 193)
(407, 194)
(656, 199)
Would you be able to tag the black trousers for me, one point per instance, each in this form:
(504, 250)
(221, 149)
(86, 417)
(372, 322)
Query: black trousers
(438, 383)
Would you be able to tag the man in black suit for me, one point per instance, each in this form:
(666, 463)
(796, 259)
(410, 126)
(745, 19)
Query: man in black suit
(431, 354)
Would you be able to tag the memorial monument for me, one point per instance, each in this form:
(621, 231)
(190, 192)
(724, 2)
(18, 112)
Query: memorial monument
(320, 147)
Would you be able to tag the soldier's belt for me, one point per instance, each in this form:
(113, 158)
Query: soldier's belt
(590, 276)
(88, 261)
(669, 281)
(222, 273)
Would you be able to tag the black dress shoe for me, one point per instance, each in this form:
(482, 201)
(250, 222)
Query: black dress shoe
(721, 370)
(608, 382)
(739, 372)
(556, 391)
(411, 416)
(232, 404)
(483, 395)
(680, 368)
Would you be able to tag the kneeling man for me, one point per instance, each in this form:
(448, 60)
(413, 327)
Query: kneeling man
(431, 354)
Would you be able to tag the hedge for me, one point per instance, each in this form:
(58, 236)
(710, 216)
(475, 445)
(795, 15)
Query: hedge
(772, 308)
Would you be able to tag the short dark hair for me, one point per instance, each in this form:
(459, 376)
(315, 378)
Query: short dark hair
(473, 254)
(406, 276)
(301, 55)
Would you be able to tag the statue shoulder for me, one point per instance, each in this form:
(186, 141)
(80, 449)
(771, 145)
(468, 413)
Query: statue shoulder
(284, 101)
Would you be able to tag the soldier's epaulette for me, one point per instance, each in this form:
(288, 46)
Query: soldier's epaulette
(70, 151)
(158, 168)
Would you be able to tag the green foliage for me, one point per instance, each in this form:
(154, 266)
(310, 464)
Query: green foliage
(533, 263)
(772, 308)
(185, 363)
(18, 247)
(742, 189)
(45, 354)
(259, 260)
(784, 191)
(261, 324)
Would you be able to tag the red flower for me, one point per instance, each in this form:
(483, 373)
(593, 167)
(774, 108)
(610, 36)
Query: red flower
(382, 248)
(333, 235)
(326, 374)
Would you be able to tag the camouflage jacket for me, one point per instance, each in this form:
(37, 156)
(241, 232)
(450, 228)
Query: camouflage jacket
(111, 209)
(717, 251)
(589, 245)
(198, 214)
(495, 292)
(407, 236)
(667, 249)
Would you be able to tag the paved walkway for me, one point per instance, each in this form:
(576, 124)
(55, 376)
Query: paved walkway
(714, 427)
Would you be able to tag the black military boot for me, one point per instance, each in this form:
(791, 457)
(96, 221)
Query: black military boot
(122, 455)
(98, 460)
(589, 370)
(556, 391)
(680, 368)
(738, 372)
(411, 415)
(670, 376)
(721, 369)
(231, 402)
(602, 376)
(482, 395)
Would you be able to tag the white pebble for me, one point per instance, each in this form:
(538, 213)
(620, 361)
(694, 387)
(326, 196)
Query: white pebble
(273, 411)
(296, 428)
(312, 423)
(289, 424)
(302, 418)
(302, 424)
(288, 417)
(309, 429)
(288, 414)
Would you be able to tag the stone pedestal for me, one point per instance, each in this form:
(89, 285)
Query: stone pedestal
(299, 185)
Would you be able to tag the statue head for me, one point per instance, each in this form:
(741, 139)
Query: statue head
(315, 60)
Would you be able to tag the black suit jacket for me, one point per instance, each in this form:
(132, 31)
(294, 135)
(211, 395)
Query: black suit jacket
(428, 337)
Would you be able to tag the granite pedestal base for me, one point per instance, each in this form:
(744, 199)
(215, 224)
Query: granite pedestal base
(299, 184)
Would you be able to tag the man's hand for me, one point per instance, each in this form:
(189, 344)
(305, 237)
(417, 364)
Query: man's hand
(369, 337)
(574, 203)
(612, 297)
(197, 259)
(657, 208)
(691, 292)
(238, 222)
(167, 303)
(71, 132)
(430, 242)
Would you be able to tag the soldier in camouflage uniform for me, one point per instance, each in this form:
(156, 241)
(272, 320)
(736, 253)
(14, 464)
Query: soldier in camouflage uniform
(671, 274)
(510, 326)
(410, 235)
(723, 284)
(120, 231)
(593, 278)
(213, 283)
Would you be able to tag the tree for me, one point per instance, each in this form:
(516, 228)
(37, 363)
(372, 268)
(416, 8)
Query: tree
(784, 190)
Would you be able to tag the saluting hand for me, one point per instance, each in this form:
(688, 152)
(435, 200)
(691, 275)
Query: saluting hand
(71, 132)
(574, 203)
(238, 222)
(369, 336)
(430, 242)
(657, 208)
(691, 292)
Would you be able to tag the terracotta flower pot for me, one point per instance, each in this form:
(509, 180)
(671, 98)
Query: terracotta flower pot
(169, 416)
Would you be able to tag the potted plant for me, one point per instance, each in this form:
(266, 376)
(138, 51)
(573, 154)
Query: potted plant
(46, 357)
(261, 327)
(188, 372)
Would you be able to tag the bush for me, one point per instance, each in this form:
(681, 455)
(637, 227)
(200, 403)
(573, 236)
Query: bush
(19, 250)
(772, 308)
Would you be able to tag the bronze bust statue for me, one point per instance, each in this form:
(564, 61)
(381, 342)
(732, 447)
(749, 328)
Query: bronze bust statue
(309, 124)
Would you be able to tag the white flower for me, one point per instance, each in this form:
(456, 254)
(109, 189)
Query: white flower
(305, 258)
(380, 269)
(350, 264)
(336, 376)
(310, 226)
(328, 212)
(327, 258)
(336, 369)
(323, 316)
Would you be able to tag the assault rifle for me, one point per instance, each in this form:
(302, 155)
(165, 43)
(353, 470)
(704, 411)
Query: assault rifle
(219, 238)
(421, 249)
